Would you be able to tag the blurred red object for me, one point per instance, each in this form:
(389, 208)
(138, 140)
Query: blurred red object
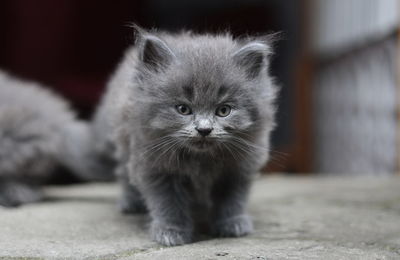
(72, 46)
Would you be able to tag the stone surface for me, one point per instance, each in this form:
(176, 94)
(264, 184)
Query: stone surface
(295, 218)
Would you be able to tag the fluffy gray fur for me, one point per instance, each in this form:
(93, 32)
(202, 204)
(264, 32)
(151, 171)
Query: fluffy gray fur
(165, 164)
(38, 131)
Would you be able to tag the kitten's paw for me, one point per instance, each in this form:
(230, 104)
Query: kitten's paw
(132, 206)
(170, 236)
(16, 194)
(233, 227)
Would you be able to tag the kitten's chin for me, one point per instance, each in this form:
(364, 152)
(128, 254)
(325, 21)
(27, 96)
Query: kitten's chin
(201, 144)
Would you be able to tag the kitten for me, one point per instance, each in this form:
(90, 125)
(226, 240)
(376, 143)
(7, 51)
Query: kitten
(189, 117)
(38, 131)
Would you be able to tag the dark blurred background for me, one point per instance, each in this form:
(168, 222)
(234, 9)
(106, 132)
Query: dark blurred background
(73, 46)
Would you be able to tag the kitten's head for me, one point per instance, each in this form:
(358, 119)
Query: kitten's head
(202, 92)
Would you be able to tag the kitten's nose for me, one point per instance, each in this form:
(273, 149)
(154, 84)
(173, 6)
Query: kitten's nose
(204, 131)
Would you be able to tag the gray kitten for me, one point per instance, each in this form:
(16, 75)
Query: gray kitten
(38, 131)
(189, 117)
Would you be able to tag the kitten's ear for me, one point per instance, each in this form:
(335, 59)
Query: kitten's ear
(253, 58)
(155, 53)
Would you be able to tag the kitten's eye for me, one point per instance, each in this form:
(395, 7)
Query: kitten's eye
(223, 111)
(183, 110)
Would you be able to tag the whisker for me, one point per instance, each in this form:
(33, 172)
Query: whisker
(156, 145)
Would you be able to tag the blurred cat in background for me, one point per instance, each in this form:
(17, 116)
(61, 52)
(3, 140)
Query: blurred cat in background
(188, 118)
(38, 131)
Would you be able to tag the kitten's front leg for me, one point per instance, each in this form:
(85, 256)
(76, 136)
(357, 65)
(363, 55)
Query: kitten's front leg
(168, 200)
(229, 201)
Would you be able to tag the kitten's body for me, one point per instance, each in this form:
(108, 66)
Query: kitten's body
(38, 131)
(163, 163)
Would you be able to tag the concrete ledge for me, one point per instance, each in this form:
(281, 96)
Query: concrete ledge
(295, 218)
